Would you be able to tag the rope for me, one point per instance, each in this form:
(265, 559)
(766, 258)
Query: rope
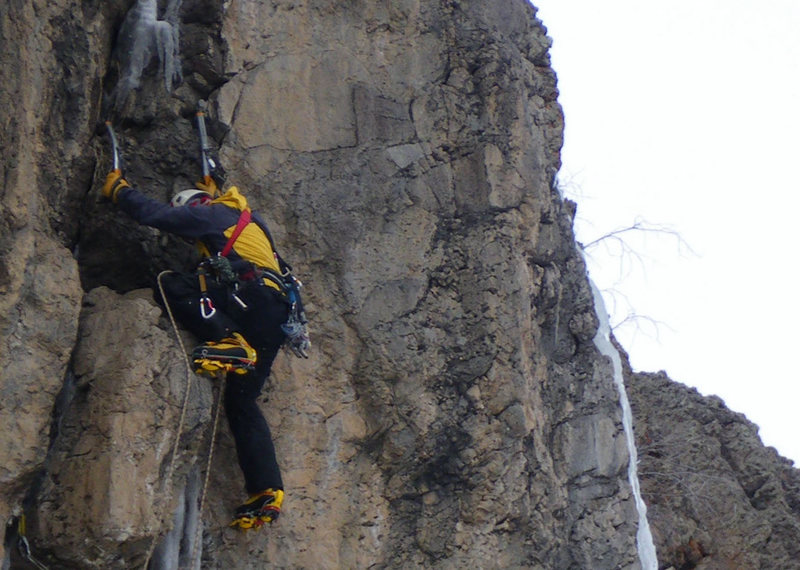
(199, 532)
(184, 407)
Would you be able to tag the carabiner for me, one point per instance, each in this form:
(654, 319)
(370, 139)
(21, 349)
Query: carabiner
(238, 299)
(207, 309)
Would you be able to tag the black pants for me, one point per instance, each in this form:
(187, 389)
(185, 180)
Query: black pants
(259, 324)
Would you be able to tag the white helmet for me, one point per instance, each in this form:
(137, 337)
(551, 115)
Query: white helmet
(186, 197)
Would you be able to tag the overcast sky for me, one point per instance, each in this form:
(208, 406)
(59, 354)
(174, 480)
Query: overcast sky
(685, 116)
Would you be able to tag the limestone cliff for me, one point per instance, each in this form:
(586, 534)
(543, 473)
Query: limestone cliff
(455, 412)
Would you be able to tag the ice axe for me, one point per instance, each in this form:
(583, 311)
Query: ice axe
(114, 146)
(114, 181)
(206, 162)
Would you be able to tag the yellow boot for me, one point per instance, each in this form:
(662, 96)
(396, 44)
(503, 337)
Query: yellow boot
(231, 354)
(260, 509)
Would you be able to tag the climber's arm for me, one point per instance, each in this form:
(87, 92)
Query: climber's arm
(186, 222)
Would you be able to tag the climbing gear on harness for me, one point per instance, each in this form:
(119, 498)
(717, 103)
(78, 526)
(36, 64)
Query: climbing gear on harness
(219, 266)
(207, 309)
(232, 354)
(297, 339)
(190, 197)
(296, 326)
(113, 184)
(260, 509)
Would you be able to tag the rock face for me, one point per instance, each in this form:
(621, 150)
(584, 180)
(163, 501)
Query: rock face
(455, 411)
(717, 497)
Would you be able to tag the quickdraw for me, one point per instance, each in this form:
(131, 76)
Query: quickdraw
(207, 309)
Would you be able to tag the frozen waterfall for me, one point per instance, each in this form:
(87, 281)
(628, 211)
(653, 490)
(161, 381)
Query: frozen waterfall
(141, 38)
(602, 340)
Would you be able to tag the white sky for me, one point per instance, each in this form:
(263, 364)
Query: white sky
(686, 115)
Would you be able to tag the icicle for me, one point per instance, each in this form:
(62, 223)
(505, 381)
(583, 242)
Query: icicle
(602, 340)
(142, 37)
(176, 548)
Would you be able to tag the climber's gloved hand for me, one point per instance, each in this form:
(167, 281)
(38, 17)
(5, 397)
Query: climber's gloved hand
(297, 339)
(114, 183)
(208, 185)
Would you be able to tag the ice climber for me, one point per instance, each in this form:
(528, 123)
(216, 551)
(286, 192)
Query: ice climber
(238, 303)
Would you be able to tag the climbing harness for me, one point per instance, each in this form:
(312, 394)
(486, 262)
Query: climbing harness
(221, 268)
(244, 219)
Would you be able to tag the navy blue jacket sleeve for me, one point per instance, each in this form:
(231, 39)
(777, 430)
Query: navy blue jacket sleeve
(189, 222)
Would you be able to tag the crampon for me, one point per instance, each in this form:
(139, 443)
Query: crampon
(228, 355)
(261, 509)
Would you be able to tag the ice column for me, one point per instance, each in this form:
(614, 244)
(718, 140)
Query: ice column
(602, 340)
(178, 548)
(142, 37)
